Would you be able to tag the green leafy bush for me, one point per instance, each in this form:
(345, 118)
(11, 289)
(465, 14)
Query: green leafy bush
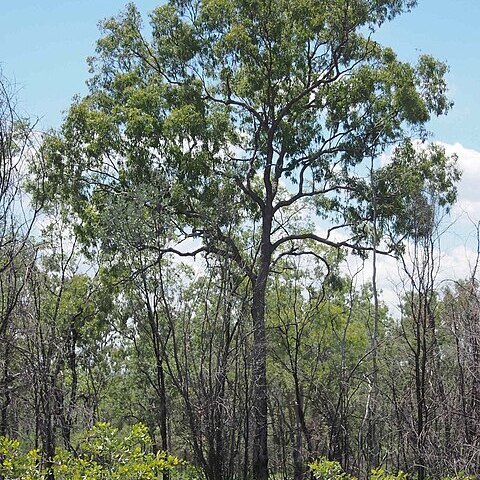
(102, 455)
(380, 474)
(324, 469)
(105, 455)
(14, 464)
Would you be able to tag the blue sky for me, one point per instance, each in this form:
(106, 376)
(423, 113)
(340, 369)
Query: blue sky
(450, 31)
(44, 44)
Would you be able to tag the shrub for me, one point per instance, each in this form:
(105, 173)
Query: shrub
(380, 474)
(14, 464)
(324, 469)
(102, 455)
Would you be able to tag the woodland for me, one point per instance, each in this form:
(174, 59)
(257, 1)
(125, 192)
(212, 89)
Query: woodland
(177, 296)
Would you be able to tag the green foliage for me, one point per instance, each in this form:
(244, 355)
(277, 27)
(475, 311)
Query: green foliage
(15, 464)
(380, 474)
(324, 469)
(429, 178)
(105, 455)
(102, 455)
(179, 123)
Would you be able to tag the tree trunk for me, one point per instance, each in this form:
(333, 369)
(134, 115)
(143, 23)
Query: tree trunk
(260, 452)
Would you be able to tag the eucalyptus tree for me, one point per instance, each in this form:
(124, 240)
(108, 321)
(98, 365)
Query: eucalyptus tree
(426, 204)
(230, 120)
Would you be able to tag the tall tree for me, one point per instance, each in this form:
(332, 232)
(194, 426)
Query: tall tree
(425, 201)
(228, 121)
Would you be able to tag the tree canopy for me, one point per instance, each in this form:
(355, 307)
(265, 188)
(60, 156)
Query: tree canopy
(251, 106)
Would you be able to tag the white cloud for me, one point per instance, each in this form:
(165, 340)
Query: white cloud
(467, 208)
(458, 263)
